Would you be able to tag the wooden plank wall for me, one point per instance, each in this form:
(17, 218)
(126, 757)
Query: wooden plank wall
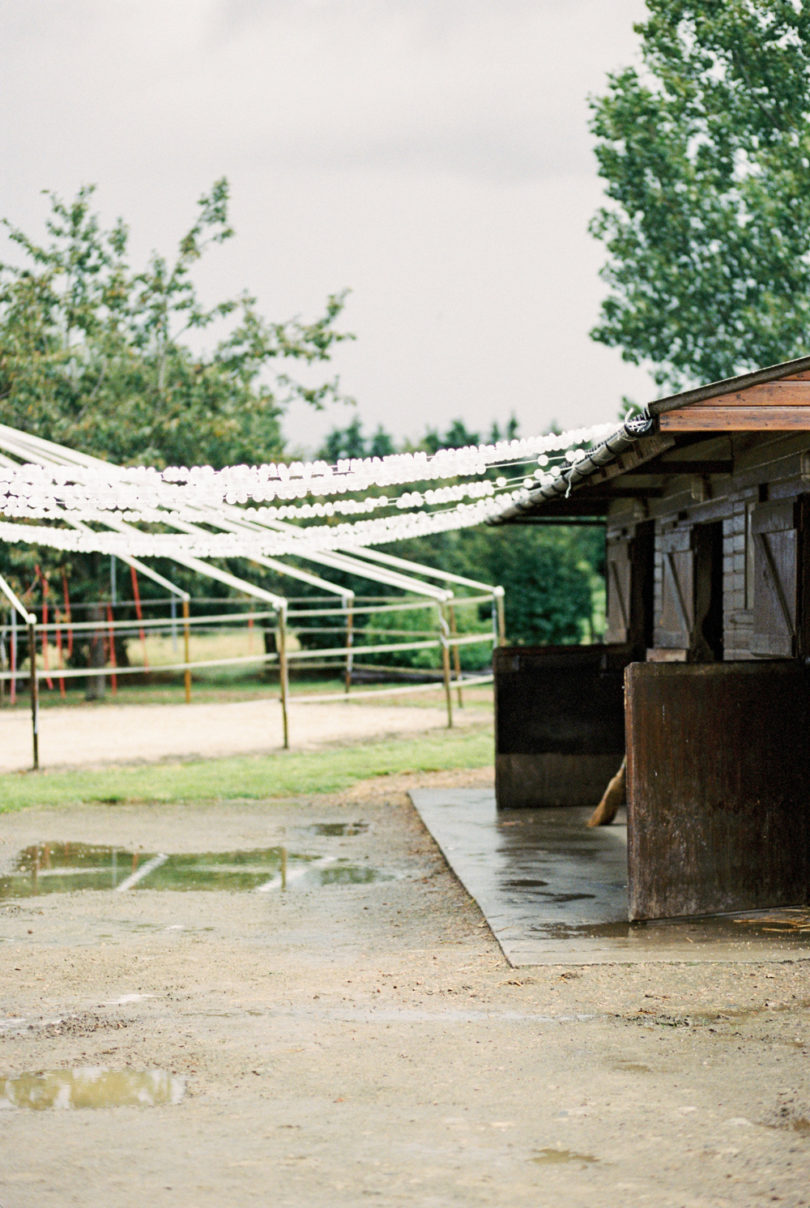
(767, 467)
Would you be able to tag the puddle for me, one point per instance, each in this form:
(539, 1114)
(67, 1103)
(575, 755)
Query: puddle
(552, 1157)
(91, 1087)
(64, 867)
(336, 830)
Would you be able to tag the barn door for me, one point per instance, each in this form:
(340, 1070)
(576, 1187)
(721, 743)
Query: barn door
(629, 575)
(690, 615)
(618, 570)
(675, 622)
(778, 532)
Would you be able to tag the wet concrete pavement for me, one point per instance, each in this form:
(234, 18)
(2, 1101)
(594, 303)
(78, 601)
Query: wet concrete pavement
(554, 891)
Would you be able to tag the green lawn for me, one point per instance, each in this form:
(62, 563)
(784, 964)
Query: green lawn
(282, 774)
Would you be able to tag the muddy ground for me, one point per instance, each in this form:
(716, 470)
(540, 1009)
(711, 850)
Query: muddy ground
(367, 1042)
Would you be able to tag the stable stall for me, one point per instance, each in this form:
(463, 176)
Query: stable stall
(705, 500)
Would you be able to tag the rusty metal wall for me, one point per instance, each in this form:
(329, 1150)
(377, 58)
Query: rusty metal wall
(559, 723)
(718, 787)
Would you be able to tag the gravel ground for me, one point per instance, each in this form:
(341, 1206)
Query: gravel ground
(368, 1041)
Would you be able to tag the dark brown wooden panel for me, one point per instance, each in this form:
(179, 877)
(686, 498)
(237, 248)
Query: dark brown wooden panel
(618, 573)
(778, 533)
(559, 723)
(718, 773)
(725, 418)
(674, 624)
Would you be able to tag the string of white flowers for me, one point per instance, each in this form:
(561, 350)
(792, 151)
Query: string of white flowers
(59, 484)
(256, 542)
(117, 487)
(22, 498)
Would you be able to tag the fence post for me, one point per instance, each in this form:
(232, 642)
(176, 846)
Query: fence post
(456, 652)
(186, 645)
(32, 658)
(96, 656)
(282, 673)
(14, 657)
(347, 604)
(448, 692)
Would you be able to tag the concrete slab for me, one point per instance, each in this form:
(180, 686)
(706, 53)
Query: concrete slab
(554, 892)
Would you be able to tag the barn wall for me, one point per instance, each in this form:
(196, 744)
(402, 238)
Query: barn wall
(768, 468)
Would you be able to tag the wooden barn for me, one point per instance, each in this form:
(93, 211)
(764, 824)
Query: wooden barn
(703, 679)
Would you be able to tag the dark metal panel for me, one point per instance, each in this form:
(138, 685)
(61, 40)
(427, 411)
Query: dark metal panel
(718, 769)
(559, 723)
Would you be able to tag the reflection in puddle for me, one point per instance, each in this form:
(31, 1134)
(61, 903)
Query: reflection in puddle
(63, 867)
(91, 1087)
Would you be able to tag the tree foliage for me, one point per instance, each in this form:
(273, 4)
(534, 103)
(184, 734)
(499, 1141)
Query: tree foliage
(705, 154)
(110, 359)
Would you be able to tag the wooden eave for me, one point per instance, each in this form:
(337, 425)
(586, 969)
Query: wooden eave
(640, 458)
(772, 400)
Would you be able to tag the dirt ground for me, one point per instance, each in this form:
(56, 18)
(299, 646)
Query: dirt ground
(112, 733)
(368, 1042)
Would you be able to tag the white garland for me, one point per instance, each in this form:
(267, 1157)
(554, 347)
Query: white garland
(89, 491)
(104, 484)
(257, 542)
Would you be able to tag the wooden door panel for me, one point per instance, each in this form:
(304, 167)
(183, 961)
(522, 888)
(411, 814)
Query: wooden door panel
(676, 618)
(619, 567)
(776, 534)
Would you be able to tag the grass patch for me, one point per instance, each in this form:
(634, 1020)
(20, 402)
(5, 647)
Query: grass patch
(282, 774)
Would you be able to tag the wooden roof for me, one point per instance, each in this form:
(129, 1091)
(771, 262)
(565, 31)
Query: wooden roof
(775, 399)
(668, 440)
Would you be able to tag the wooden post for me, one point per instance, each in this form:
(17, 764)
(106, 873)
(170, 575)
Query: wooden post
(186, 654)
(96, 655)
(349, 639)
(14, 658)
(456, 653)
(3, 667)
(32, 658)
(448, 691)
(282, 673)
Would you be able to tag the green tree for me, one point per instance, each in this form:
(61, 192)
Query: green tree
(111, 361)
(705, 154)
(344, 442)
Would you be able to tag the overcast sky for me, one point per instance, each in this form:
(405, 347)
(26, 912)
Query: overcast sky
(432, 156)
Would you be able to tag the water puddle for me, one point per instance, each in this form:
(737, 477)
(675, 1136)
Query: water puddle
(553, 1157)
(91, 1087)
(64, 867)
(338, 829)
